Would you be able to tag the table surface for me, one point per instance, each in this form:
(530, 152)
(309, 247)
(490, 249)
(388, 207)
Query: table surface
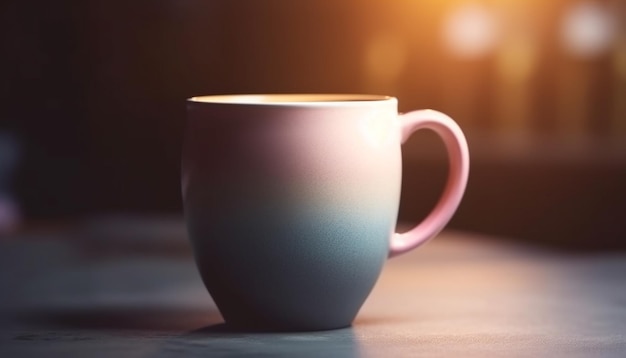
(459, 295)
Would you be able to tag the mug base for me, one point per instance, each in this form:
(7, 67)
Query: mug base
(246, 326)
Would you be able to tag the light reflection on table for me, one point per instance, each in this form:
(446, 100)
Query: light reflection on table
(460, 294)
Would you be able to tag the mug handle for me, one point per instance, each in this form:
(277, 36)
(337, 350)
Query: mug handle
(458, 157)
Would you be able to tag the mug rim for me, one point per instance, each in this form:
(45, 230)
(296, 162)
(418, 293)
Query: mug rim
(292, 99)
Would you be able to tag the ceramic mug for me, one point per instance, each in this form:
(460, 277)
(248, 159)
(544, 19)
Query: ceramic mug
(291, 201)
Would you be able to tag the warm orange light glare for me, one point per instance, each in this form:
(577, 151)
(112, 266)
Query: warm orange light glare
(588, 29)
(470, 31)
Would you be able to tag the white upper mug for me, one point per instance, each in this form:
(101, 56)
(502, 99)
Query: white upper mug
(291, 201)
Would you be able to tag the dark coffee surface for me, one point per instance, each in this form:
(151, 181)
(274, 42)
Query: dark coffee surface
(460, 295)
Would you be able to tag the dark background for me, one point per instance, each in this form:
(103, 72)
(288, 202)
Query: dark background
(94, 92)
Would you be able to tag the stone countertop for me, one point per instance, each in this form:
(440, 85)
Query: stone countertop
(459, 295)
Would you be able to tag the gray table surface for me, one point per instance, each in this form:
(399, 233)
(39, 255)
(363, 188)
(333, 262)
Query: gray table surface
(459, 295)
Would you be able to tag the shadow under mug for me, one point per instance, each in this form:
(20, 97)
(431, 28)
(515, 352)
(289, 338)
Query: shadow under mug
(291, 201)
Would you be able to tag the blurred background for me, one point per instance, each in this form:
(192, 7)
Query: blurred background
(92, 101)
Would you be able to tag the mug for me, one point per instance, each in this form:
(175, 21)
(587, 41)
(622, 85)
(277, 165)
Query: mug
(291, 201)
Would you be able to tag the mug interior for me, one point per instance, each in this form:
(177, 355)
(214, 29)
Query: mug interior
(287, 99)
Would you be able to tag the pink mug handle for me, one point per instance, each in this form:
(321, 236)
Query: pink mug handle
(458, 154)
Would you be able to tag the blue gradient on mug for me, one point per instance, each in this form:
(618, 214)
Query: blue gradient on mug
(292, 262)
